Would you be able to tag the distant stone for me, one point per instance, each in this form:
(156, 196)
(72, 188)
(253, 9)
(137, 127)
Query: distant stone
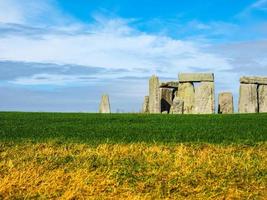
(262, 92)
(248, 98)
(177, 106)
(204, 98)
(154, 95)
(186, 93)
(166, 96)
(171, 84)
(145, 108)
(254, 80)
(196, 77)
(164, 112)
(104, 106)
(226, 104)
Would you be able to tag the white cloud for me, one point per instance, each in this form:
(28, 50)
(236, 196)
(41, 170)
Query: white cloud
(33, 12)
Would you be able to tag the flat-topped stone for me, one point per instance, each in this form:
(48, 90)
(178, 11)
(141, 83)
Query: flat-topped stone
(171, 84)
(196, 77)
(254, 80)
(226, 103)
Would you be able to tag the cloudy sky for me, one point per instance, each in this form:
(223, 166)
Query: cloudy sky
(59, 55)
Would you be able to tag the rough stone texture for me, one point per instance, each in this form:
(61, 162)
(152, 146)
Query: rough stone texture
(166, 96)
(177, 106)
(154, 95)
(204, 98)
(186, 93)
(145, 108)
(262, 93)
(195, 77)
(254, 80)
(226, 103)
(104, 106)
(248, 98)
(171, 84)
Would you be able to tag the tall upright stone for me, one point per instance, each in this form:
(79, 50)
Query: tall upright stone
(145, 108)
(186, 93)
(248, 98)
(154, 95)
(177, 106)
(226, 103)
(104, 106)
(204, 98)
(166, 96)
(262, 94)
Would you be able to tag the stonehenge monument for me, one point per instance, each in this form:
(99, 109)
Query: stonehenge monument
(197, 99)
(252, 95)
(194, 93)
(226, 103)
(182, 97)
(104, 106)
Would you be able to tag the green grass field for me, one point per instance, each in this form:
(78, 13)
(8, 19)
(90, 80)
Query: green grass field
(129, 128)
(132, 156)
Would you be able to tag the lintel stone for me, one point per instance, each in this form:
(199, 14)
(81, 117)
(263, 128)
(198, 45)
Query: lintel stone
(254, 80)
(196, 77)
(171, 84)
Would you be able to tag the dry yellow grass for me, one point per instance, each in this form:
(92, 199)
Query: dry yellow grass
(133, 171)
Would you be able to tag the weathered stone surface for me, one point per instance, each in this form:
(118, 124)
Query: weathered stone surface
(145, 108)
(204, 98)
(262, 93)
(154, 95)
(196, 77)
(104, 106)
(186, 93)
(177, 106)
(254, 80)
(171, 84)
(166, 96)
(248, 100)
(226, 103)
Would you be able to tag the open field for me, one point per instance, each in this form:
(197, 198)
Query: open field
(129, 128)
(130, 156)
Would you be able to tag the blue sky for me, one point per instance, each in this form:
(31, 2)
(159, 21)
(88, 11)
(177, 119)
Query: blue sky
(61, 55)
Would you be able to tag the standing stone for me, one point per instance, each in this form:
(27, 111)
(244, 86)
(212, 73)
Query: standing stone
(248, 98)
(204, 98)
(226, 103)
(177, 106)
(146, 105)
(154, 95)
(104, 106)
(166, 96)
(262, 93)
(186, 93)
